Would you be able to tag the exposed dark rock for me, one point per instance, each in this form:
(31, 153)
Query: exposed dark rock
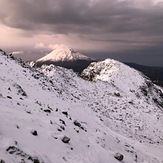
(76, 123)
(35, 160)
(119, 156)
(117, 94)
(29, 112)
(158, 102)
(59, 130)
(20, 90)
(77, 131)
(65, 113)
(47, 111)
(20, 153)
(62, 121)
(2, 161)
(65, 139)
(136, 157)
(89, 76)
(9, 97)
(62, 127)
(34, 132)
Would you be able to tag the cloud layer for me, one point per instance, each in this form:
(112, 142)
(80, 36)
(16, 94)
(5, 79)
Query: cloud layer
(111, 25)
(83, 16)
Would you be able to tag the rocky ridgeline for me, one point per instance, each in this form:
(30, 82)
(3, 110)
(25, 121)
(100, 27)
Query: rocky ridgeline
(54, 115)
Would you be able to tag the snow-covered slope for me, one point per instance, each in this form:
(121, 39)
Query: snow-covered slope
(112, 71)
(40, 109)
(63, 54)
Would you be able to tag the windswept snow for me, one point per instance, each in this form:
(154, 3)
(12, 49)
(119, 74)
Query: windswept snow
(119, 111)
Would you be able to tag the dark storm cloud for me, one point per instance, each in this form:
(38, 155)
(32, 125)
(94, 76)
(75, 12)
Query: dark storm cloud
(81, 16)
(131, 23)
(151, 56)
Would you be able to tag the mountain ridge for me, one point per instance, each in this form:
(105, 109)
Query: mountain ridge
(153, 72)
(71, 59)
(42, 107)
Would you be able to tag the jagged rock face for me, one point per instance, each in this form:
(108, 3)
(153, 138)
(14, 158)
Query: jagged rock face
(115, 113)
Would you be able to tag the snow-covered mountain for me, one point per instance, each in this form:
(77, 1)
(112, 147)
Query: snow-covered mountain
(51, 115)
(65, 57)
(63, 54)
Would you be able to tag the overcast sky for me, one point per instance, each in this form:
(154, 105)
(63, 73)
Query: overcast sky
(127, 30)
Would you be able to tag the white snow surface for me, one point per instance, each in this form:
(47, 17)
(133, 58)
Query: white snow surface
(116, 111)
(61, 54)
(114, 71)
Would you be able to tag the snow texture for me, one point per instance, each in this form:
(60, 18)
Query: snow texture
(114, 109)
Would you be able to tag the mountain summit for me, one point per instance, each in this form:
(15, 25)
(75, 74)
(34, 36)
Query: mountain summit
(63, 54)
(65, 57)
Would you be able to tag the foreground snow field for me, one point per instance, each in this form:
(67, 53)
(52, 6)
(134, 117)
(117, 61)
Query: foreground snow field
(52, 115)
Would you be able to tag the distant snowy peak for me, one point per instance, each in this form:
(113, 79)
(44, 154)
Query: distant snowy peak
(64, 54)
(67, 58)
